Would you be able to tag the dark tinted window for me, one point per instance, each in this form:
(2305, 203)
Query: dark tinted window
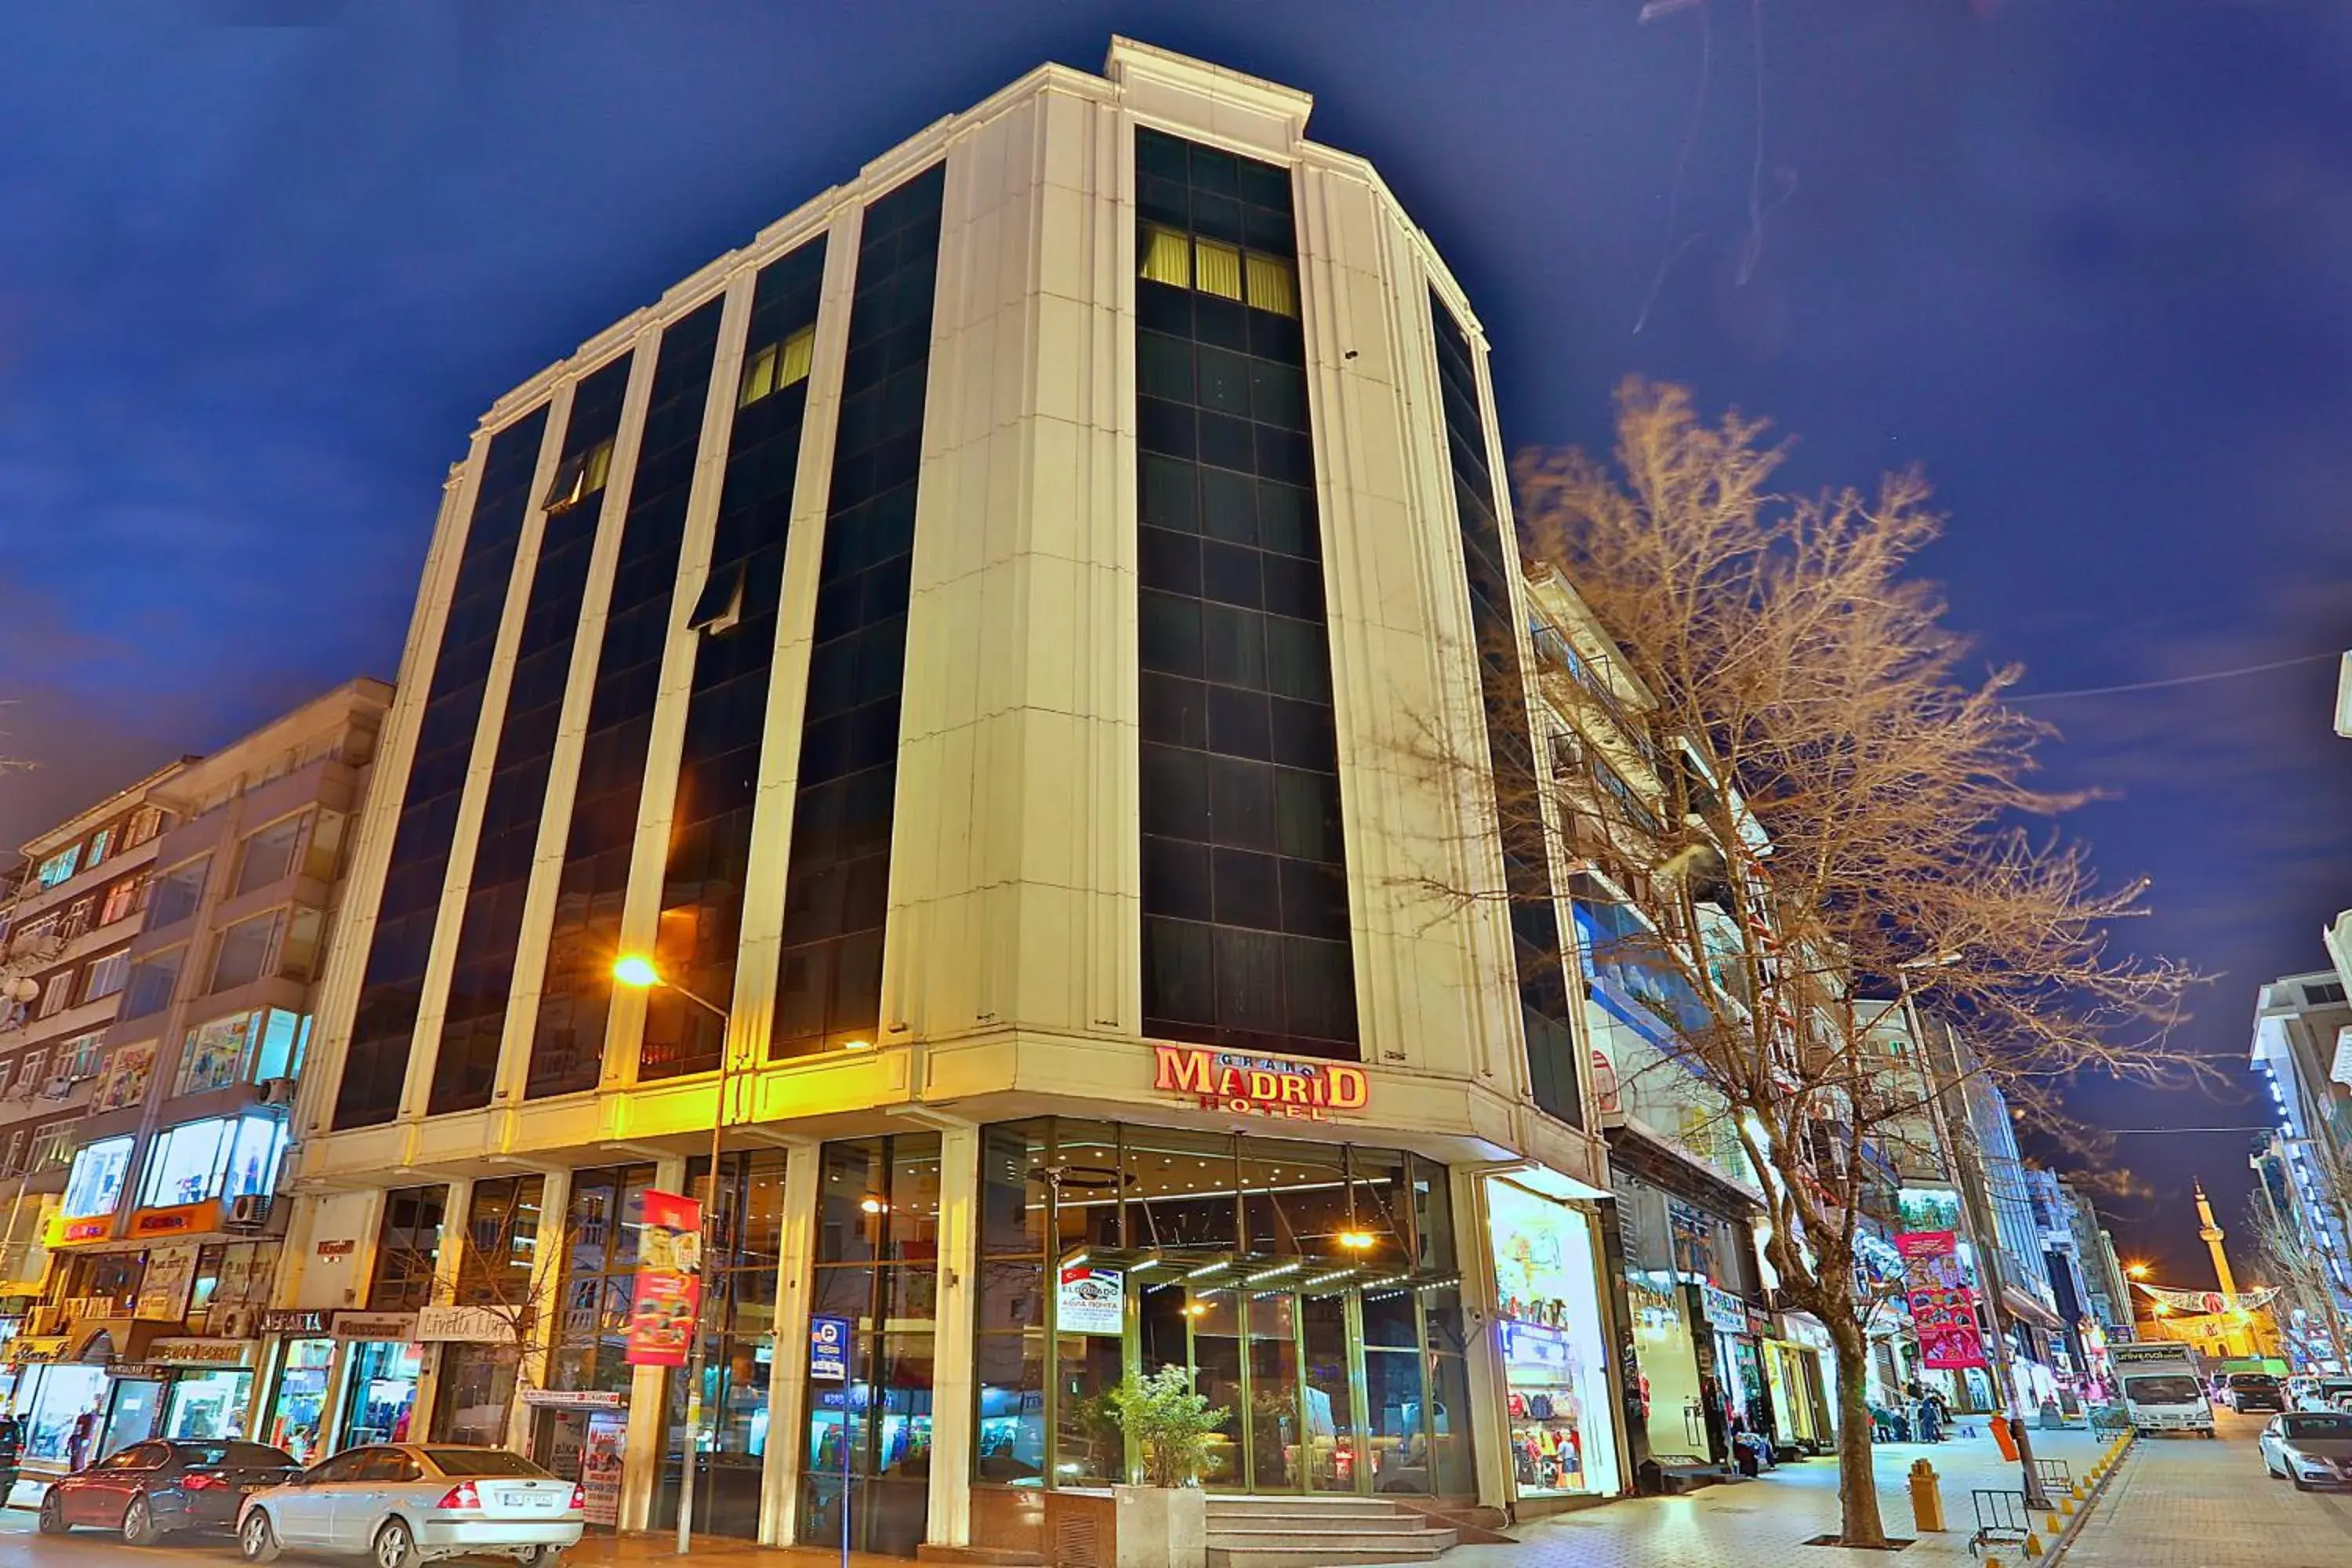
(342, 1468)
(829, 974)
(139, 1456)
(482, 1462)
(2318, 1426)
(392, 988)
(726, 715)
(576, 986)
(492, 922)
(1245, 925)
(1488, 561)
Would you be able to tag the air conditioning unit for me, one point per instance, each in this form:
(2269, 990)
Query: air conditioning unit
(248, 1211)
(59, 1088)
(236, 1323)
(276, 1090)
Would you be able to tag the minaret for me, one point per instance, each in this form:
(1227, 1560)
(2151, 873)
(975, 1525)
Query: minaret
(2210, 1234)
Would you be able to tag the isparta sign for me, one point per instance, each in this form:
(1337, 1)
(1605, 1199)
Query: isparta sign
(1260, 1086)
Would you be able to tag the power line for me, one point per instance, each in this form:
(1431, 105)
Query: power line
(2176, 681)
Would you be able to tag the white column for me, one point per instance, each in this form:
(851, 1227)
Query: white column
(647, 1440)
(1490, 1448)
(953, 1396)
(780, 1480)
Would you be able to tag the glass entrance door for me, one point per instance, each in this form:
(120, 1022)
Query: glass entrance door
(1287, 1366)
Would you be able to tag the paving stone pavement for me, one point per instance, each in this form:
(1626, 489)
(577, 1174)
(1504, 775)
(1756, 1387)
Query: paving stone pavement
(1764, 1523)
(2180, 1503)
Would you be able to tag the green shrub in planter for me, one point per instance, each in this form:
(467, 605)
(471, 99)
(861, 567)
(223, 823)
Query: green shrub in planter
(1169, 1424)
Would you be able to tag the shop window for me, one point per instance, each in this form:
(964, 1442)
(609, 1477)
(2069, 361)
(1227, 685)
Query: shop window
(213, 1055)
(219, 1157)
(178, 891)
(124, 1082)
(153, 979)
(96, 1185)
(267, 855)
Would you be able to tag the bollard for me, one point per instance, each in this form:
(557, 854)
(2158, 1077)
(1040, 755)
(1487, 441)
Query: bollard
(1926, 1497)
(2032, 1547)
(2050, 1522)
(2066, 1505)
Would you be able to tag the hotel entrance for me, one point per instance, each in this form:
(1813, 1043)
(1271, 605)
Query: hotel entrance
(1309, 1289)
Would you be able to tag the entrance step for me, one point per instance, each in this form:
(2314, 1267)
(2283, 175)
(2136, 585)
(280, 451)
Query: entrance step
(1318, 1532)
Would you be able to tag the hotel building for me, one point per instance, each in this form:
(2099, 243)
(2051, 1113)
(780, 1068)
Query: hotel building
(997, 639)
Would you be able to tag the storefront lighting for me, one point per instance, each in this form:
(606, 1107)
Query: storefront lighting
(1322, 1280)
(1356, 1240)
(873, 1206)
(1209, 1270)
(1276, 1273)
(856, 1045)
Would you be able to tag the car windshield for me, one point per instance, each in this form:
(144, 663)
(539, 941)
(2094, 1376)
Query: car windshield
(2252, 1380)
(259, 1456)
(482, 1462)
(2169, 1388)
(2319, 1425)
(201, 1455)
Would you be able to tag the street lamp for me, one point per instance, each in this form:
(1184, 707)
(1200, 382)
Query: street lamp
(639, 973)
(1988, 1264)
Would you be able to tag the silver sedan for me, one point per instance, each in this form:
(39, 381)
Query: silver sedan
(406, 1504)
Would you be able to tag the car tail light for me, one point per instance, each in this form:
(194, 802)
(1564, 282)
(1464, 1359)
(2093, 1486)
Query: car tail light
(461, 1498)
(579, 1503)
(200, 1482)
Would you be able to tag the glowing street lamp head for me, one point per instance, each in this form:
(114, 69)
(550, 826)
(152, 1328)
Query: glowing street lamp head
(2137, 1270)
(636, 970)
(1356, 1240)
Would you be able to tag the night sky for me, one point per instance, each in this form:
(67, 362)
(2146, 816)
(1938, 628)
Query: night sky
(2090, 264)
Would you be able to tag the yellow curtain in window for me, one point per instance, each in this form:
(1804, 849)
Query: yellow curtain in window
(1219, 268)
(1167, 257)
(792, 358)
(1272, 285)
(759, 378)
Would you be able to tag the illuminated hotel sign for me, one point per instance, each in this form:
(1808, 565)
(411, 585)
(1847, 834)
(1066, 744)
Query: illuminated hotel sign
(1260, 1086)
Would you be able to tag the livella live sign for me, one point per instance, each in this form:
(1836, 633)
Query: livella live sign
(1261, 1086)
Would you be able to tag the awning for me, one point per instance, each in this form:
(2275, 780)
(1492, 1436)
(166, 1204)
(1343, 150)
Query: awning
(2020, 1304)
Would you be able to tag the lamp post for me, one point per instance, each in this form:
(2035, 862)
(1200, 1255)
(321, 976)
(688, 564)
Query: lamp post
(1988, 1265)
(639, 973)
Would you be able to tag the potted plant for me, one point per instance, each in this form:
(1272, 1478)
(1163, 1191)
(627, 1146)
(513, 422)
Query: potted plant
(1164, 1523)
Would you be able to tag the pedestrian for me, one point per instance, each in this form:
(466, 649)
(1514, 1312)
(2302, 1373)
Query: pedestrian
(78, 1442)
(1931, 1430)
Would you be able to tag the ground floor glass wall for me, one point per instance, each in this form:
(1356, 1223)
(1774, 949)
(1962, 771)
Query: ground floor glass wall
(1557, 1391)
(1309, 1289)
(297, 1410)
(210, 1405)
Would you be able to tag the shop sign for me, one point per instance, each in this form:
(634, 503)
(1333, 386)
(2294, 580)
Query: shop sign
(90, 1227)
(199, 1353)
(828, 1350)
(342, 1247)
(138, 1371)
(1091, 1300)
(180, 1219)
(572, 1398)
(164, 1289)
(306, 1322)
(399, 1328)
(669, 1298)
(1760, 1323)
(463, 1325)
(1240, 1083)
(27, 1350)
(1724, 1310)
(600, 1468)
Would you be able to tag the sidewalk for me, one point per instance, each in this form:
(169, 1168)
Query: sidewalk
(1768, 1520)
(607, 1550)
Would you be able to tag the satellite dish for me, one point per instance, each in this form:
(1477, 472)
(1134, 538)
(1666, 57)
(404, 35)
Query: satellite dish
(22, 990)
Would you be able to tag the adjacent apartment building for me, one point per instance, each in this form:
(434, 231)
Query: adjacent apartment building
(160, 1223)
(980, 640)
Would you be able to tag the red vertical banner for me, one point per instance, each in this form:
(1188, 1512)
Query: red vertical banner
(669, 1300)
(1943, 1307)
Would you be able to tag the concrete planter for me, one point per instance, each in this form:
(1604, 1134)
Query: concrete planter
(1162, 1527)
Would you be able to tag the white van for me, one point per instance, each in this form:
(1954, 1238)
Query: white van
(2162, 1391)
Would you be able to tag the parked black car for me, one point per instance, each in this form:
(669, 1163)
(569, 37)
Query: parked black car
(149, 1490)
(2245, 1391)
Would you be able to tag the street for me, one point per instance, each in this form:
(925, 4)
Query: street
(2180, 1503)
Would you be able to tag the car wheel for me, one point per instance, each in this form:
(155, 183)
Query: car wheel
(139, 1523)
(256, 1539)
(538, 1557)
(53, 1513)
(395, 1547)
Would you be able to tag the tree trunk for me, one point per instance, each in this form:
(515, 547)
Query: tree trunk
(1858, 1520)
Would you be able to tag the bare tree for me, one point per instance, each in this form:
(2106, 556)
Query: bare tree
(2284, 1256)
(1840, 808)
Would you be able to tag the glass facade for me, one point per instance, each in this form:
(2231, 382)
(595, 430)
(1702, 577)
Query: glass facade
(829, 974)
(1246, 922)
(392, 990)
(567, 1049)
(726, 711)
(739, 1283)
(1489, 557)
(1308, 1288)
(474, 1017)
(877, 1270)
